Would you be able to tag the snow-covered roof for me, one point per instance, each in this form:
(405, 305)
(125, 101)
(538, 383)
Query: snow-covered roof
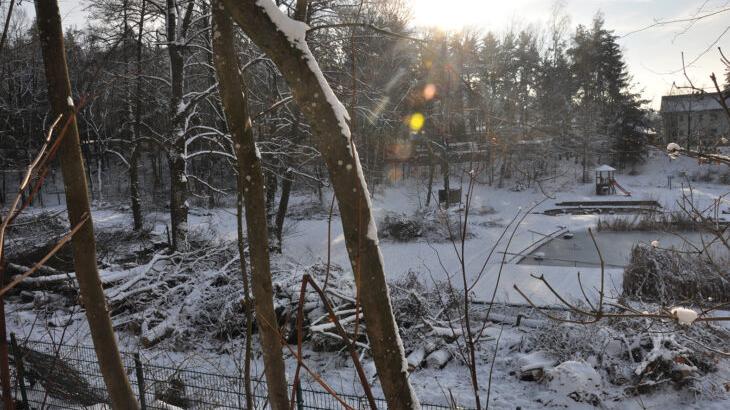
(691, 102)
(604, 168)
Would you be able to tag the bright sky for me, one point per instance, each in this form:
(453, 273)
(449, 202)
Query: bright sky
(653, 56)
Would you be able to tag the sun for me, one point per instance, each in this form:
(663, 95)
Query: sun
(457, 14)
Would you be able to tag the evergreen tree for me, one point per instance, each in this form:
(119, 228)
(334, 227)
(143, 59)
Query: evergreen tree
(555, 84)
(602, 92)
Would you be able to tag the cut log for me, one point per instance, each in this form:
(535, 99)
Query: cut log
(438, 359)
(416, 358)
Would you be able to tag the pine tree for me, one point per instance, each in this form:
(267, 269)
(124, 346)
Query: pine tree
(555, 84)
(603, 92)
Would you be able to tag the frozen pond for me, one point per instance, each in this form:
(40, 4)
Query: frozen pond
(580, 251)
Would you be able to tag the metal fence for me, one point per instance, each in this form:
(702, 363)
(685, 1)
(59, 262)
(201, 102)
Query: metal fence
(53, 376)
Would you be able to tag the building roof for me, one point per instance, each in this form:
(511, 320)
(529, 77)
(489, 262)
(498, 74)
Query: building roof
(604, 168)
(692, 102)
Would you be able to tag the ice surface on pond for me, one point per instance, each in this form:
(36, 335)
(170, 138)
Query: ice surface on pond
(615, 247)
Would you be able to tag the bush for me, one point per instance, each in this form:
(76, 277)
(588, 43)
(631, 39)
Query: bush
(402, 228)
(647, 222)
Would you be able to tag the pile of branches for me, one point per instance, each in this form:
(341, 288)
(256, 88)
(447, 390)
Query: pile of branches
(187, 298)
(431, 226)
(152, 292)
(427, 319)
(637, 354)
(668, 277)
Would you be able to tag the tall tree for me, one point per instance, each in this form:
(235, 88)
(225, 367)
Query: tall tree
(603, 92)
(554, 82)
(283, 39)
(84, 245)
(250, 174)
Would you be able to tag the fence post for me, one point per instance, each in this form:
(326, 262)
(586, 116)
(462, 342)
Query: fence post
(140, 381)
(300, 400)
(19, 368)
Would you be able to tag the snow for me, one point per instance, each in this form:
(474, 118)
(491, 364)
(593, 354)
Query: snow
(257, 152)
(605, 168)
(70, 101)
(673, 146)
(684, 316)
(574, 377)
(306, 243)
(535, 360)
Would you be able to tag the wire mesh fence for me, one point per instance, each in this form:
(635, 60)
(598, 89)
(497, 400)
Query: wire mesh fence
(58, 376)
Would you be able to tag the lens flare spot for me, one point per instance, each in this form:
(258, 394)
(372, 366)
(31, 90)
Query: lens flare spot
(429, 91)
(394, 172)
(416, 121)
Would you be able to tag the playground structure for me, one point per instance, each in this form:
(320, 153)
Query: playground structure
(606, 182)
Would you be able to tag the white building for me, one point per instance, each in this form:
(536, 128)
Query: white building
(695, 120)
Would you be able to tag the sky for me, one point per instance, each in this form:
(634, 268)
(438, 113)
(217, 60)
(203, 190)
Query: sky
(653, 56)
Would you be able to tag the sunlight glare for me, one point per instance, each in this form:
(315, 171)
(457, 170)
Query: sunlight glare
(456, 14)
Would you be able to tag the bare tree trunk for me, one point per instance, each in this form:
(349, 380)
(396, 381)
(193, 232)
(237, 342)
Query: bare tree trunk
(431, 171)
(176, 156)
(84, 245)
(135, 199)
(270, 187)
(178, 196)
(246, 296)
(251, 175)
(286, 183)
(332, 136)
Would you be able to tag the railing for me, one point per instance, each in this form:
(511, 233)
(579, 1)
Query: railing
(53, 376)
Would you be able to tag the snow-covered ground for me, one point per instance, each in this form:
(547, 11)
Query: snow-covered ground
(497, 235)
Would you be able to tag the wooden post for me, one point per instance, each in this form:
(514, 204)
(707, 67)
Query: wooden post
(19, 369)
(140, 381)
(300, 399)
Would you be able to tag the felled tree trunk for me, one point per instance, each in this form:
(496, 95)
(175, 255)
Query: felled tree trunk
(284, 41)
(74, 178)
(251, 175)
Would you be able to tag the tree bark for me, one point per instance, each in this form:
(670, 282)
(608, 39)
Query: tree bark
(332, 137)
(176, 155)
(135, 199)
(431, 171)
(250, 173)
(84, 245)
(286, 183)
